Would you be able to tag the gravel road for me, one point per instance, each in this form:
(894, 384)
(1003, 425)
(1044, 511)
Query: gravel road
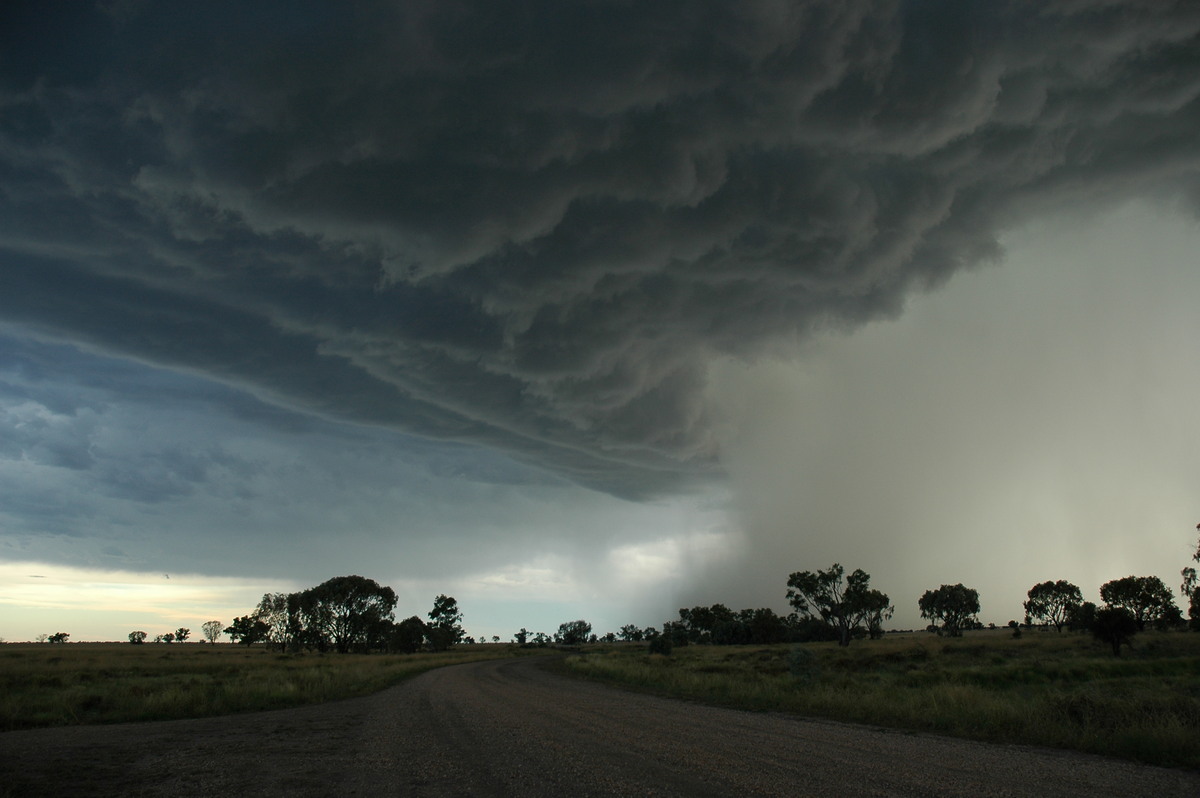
(509, 727)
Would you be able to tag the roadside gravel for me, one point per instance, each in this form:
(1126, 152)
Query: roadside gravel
(509, 727)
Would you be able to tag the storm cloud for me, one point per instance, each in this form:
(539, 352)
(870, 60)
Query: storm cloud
(534, 228)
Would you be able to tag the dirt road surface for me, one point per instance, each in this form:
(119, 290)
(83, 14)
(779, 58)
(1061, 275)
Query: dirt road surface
(509, 727)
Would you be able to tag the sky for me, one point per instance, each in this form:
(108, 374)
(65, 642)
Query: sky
(591, 310)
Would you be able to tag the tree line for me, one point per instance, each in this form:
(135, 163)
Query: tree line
(831, 605)
(354, 613)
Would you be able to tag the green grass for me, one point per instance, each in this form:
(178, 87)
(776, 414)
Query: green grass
(1043, 689)
(84, 683)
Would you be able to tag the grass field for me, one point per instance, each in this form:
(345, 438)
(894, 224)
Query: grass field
(1043, 689)
(77, 683)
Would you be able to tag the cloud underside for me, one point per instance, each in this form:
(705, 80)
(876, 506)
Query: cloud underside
(534, 231)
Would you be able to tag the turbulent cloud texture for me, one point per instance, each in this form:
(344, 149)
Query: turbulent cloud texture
(532, 227)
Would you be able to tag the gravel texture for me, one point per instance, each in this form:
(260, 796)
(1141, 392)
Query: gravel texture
(510, 727)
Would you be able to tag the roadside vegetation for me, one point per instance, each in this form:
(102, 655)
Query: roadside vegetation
(84, 683)
(1059, 690)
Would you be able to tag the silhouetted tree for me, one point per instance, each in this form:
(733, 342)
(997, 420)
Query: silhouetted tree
(951, 608)
(247, 630)
(137, 638)
(408, 636)
(1115, 626)
(1081, 618)
(1053, 602)
(1146, 597)
(630, 633)
(281, 613)
(344, 610)
(573, 633)
(182, 634)
(522, 637)
(212, 630)
(59, 637)
(445, 627)
(843, 606)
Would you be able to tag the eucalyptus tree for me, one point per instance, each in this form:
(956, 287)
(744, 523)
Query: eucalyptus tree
(842, 604)
(950, 608)
(1053, 602)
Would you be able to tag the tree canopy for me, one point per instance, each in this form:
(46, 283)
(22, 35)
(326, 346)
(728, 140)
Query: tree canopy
(951, 608)
(842, 605)
(1053, 602)
(1146, 597)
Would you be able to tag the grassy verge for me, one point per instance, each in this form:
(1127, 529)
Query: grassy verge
(78, 683)
(1044, 689)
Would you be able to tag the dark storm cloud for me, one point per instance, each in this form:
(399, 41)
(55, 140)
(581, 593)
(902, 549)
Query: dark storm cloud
(531, 227)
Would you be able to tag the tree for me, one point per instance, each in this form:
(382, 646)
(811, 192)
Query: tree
(1053, 602)
(445, 627)
(1115, 626)
(42, 638)
(630, 633)
(573, 633)
(169, 637)
(1146, 597)
(137, 638)
(522, 637)
(247, 630)
(281, 613)
(953, 606)
(212, 630)
(1082, 617)
(182, 634)
(343, 611)
(59, 637)
(841, 606)
(408, 636)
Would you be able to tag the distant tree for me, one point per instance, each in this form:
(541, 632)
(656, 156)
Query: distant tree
(1053, 602)
(212, 630)
(169, 637)
(182, 633)
(42, 638)
(951, 608)
(677, 631)
(762, 626)
(59, 637)
(630, 633)
(445, 623)
(495, 638)
(541, 639)
(609, 637)
(1082, 617)
(344, 610)
(1191, 591)
(1146, 597)
(843, 606)
(1115, 626)
(137, 638)
(522, 637)
(407, 636)
(247, 630)
(573, 633)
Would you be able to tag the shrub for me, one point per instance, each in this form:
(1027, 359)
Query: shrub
(803, 664)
